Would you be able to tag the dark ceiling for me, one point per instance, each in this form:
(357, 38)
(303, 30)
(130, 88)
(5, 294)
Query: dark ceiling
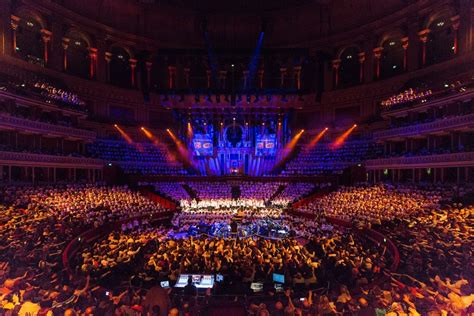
(241, 6)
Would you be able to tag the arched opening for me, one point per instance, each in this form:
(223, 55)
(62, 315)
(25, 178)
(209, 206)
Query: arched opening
(120, 67)
(350, 67)
(391, 61)
(78, 60)
(29, 44)
(440, 45)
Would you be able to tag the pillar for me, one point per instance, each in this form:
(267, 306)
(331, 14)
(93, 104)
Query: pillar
(56, 58)
(148, 65)
(208, 77)
(261, 72)
(65, 45)
(405, 52)
(14, 22)
(377, 55)
(6, 32)
(222, 78)
(101, 74)
(336, 64)
(297, 70)
(466, 27)
(187, 72)
(108, 58)
(423, 36)
(133, 67)
(282, 77)
(92, 62)
(171, 77)
(245, 74)
(455, 26)
(46, 37)
(361, 66)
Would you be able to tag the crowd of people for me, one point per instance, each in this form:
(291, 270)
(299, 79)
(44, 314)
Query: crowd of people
(327, 269)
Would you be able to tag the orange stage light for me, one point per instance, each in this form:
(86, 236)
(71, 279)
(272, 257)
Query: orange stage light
(123, 134)
(316, 139)
(341, 139)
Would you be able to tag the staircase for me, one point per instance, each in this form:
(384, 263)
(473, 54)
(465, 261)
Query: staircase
(191, 192)
(277, 192)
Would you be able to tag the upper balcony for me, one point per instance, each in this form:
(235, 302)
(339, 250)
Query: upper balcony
(431, 161)
(41, 160)
(8, 122)
(457, 123)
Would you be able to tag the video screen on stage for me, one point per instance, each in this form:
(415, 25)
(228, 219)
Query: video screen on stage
(202, 144)
(201, 281)
(265, 145)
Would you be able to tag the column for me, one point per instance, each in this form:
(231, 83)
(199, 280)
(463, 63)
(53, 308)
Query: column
(245, 74)
(108, 58)
(148, 65)
(455, 25)
(361, 66)
(336, 64)
(46, 37)
(92, 62)
(405, 52)
(65, 45)
(6, 32)
(222, 78)
(187, 72)
(15, 21)
(171, 77)
(377, 55)
(282, 77)
(297, 70)
(56, 58)
(261, 72)
(101, 74)
(208, 76)
(133, 67)
(423, 36)
(466, 27)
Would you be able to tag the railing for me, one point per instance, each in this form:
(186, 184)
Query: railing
(21, 158)
(44, 128)
(447, 160)
(438, 125)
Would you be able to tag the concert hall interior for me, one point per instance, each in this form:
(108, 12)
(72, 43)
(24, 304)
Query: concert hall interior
(205, 157)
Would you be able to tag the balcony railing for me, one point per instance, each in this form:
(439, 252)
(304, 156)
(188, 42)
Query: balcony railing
(30, 159)
(44, 128)
(426, 128)
(443, 160)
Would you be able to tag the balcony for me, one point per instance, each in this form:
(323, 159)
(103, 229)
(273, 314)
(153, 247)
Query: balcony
(444, 160)
(45, 129)
(40, 160)
(464, 122)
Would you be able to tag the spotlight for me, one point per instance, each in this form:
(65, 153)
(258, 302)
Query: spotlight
(232, 65)
(115, 125)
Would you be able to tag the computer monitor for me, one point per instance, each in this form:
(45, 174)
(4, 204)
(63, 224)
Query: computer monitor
(165, 284)
(201, 281)
(219, 278)
(278, 278)
(256, 287)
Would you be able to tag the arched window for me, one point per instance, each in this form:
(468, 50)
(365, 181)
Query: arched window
(78, 62)
(120, 68)
(440, 41)
(29, 44)
(350, 67)
(391, 61)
